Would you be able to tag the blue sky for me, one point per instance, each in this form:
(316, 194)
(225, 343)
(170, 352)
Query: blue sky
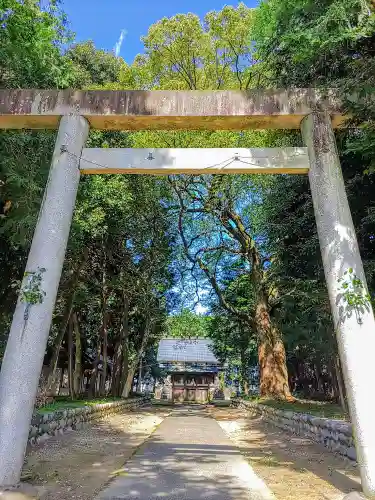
(103, 20)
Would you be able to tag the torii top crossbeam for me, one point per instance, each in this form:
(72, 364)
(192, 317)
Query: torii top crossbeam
(194, 110)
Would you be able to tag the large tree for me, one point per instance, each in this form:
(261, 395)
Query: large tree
(184, 53)
(216, 227)
(323, 44)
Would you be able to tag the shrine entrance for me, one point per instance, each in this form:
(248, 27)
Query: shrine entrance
(191, 387)
(315, 113)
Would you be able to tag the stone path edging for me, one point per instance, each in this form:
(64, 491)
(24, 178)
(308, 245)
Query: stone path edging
(336, 435)
(45, 425)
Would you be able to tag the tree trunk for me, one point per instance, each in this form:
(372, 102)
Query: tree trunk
(72, 287)
(125, 365)
(116, 366)
(292, 375)
(120, 349)
(61, 380)
(272, 358)
(104, 327)
(95, 370)
(70, 359)
(244, 372)
(318, 377)
(129, 380)
(78, 357)
(58, 341)
(341, 385)
(273, 373)
(134, 364)
(335, 393)
(105, 363)
(139, 381)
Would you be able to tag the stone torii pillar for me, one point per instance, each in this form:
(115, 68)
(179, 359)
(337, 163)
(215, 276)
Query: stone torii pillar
(354, 326)
(28, 335)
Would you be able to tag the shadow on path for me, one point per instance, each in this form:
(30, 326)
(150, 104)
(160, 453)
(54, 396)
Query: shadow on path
(287, 461)
(189, 457)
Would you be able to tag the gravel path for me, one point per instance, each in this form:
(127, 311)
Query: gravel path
(188, 457)
(77, 465)
(293, 467)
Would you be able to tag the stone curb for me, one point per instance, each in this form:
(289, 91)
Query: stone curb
(335, 435)
(22, 491)
(45, 425)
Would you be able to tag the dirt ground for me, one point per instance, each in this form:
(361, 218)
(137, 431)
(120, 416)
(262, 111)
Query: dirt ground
(77, 465)
(292, 467)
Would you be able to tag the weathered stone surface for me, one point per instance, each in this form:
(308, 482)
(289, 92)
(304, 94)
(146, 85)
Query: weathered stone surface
(354, 495)
(22, 491)
(351, 453)
(56, 423)
(34, 431)
(136, 109)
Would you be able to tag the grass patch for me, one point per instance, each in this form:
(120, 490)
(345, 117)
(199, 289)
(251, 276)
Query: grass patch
(65, 404)
(318, 408)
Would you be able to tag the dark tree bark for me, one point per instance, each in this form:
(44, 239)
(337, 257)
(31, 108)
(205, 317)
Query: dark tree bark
(78, 356)
(274, 380)
(120, 349)
(341, 385)
(95, 370)
(139, 381)
(319, 381)
(244, 372)
(71, 290)
(104, 327)
(70, 359)
(58, 341)
(133, 365)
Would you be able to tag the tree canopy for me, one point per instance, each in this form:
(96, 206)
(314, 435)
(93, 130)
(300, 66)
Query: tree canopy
(144, 251)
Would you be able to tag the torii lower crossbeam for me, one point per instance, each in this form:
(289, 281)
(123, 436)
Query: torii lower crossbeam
(195, 161)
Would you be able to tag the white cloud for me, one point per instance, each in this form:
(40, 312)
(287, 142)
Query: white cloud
(117, 47)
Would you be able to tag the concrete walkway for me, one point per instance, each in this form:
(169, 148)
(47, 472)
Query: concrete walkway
(189, 457)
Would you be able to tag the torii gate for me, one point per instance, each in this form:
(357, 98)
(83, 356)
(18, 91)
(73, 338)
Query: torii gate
(74, 112)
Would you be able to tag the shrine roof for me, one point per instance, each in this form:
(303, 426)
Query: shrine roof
(186, 350)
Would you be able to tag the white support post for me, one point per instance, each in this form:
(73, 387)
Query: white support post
(354, 325)
(28, 335)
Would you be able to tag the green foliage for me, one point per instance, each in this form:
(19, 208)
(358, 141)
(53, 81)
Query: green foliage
(31, 38)
(120, 226)
(305, 43)
(234, 341)
(124, 227)
(187, 325)
(93, 68)
(24, 165)
(31, 292)
(182, 52)
(353, 292)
